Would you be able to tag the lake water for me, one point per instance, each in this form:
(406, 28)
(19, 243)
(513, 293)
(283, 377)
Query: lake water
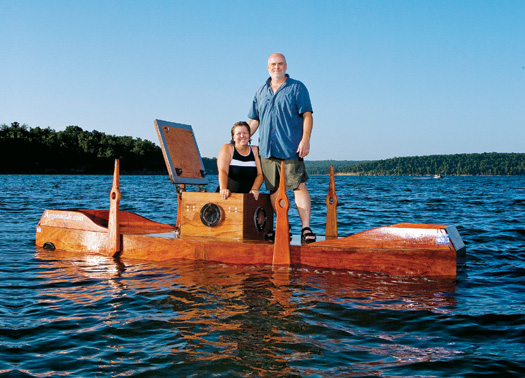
(92, 316)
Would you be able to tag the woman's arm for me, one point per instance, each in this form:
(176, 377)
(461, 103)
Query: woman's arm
(223, 166)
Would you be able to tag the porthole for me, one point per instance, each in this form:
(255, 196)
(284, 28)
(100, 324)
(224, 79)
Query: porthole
(49, 246)
(211, 215)
(260, 219)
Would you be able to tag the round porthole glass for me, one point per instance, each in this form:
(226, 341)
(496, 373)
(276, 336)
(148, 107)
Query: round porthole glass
(211, 215)
(259, 219)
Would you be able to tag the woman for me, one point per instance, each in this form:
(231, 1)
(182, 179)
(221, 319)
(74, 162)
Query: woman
(239, 164)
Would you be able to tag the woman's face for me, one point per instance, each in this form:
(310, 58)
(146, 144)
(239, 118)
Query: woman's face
(241, 136)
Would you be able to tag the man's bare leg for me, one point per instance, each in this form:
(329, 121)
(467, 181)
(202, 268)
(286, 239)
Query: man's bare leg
(303, 204)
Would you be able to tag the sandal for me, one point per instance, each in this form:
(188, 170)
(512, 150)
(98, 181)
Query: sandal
(307, 236)
(270, 236)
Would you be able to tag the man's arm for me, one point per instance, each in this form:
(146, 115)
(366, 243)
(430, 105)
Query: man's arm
(254, 125)
(304, 145)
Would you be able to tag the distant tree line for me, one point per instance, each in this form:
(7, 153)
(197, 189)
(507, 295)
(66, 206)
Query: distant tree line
(74, 150)
(39, 150)
(493, 163)
(322, 167)
(36, 150)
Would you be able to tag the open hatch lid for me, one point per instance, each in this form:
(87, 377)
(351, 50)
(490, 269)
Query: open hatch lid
(181, 153)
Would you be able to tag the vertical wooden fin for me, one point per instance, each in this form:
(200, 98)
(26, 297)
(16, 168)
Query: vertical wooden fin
(113, 242)
(331, 209)
(281, 248)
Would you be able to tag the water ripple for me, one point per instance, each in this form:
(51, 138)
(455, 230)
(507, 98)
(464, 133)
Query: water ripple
(83, 315)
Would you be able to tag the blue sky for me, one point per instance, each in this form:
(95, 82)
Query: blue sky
(386, 78)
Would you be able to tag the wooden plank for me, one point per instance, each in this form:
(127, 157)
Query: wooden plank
(416, 261)
(181, 153)
(71, 219)
(74, 240)
(237, 215)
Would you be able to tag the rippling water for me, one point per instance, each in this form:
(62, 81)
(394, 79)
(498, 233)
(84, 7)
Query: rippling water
(91, 316)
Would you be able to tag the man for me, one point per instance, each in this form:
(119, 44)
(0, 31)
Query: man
(282, 112)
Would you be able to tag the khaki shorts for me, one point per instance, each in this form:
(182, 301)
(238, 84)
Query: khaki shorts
(294, 169)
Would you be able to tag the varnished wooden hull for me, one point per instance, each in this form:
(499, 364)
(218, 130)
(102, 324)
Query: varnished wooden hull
(402, 249)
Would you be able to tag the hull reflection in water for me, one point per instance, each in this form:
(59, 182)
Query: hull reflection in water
(275, 321)
(362, 290)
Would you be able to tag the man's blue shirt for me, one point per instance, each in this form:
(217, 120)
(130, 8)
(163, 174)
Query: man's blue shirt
(280, 118)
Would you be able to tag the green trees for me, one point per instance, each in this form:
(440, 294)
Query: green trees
(489, 163)
(37, 150)
(322, 167)
(74, 150)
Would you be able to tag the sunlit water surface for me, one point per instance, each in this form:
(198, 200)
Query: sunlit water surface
(84, 315)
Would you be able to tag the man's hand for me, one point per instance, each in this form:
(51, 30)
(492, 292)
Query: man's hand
(304, 148)
(304, 145)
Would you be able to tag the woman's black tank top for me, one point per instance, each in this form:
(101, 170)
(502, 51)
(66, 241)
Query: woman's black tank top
(242, 172)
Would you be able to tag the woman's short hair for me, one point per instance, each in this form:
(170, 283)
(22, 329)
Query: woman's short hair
(242, 124)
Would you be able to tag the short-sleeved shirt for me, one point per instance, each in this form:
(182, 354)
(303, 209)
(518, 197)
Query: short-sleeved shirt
(280, 117)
